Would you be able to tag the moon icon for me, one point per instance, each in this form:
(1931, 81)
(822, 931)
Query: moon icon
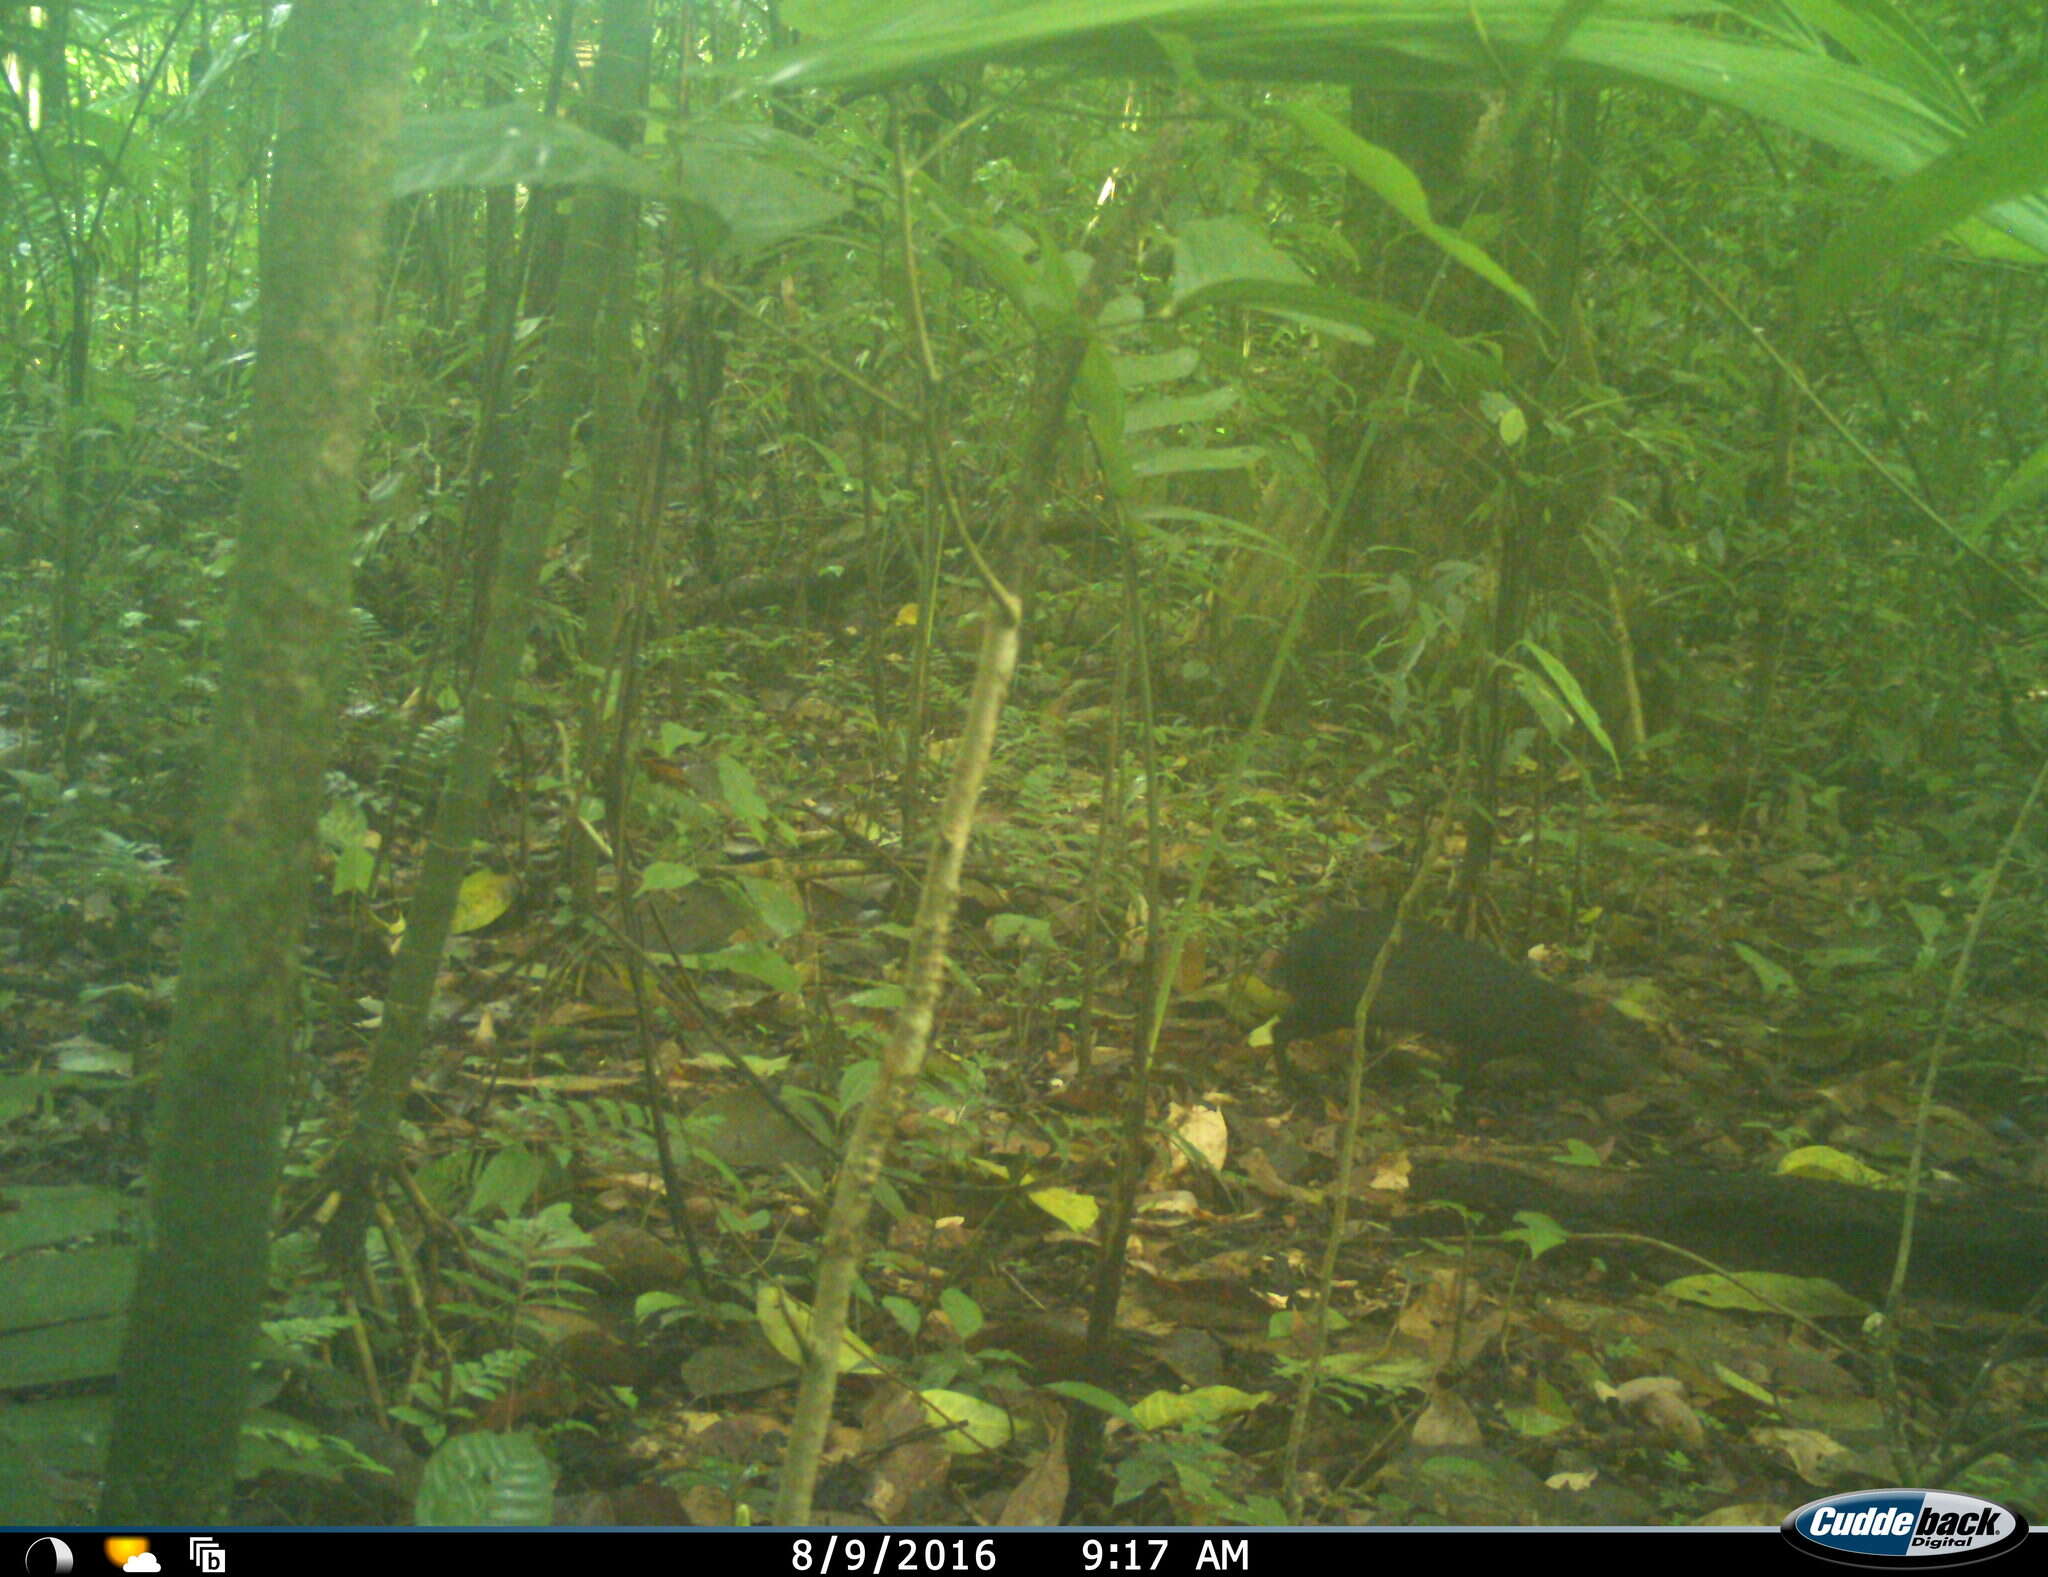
(46, 1558)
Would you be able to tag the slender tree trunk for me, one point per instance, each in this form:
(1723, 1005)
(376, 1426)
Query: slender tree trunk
(198, 189)
(564, 396)
(184, 1378)
(615, 517)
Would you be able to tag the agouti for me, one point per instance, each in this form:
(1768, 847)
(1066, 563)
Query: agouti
(1446, 987)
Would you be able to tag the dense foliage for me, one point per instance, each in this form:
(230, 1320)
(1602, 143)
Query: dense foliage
(1573, 474)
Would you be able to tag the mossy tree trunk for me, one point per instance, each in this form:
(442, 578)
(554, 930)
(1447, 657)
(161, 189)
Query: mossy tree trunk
(184, 1377)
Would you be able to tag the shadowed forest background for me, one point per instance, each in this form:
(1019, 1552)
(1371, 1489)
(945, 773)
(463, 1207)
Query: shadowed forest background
(668, 671)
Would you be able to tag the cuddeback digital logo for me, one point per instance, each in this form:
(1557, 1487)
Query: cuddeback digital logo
(1881, 1527)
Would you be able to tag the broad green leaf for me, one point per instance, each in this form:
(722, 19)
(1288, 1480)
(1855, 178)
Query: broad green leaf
(1172, 410)
(510, 144)
(1738, 1382)
(1100, 399)
(353, 868)
(961, 1311)
(1378, 1373)
(1043, 293)
(44, 1217)
(1184, 461)
(1537, 1232)
(486, 1480)
(507, 1183)
(1169, 366)
(2006, 159)
(1211, 252)
(1093, 1396)
(755, 962)
(1884, 40)
(736, 786)
(1387, 178)
(1574, 697)
(745, 188)
(49, 1289)
(778, 904)
(1894, 109)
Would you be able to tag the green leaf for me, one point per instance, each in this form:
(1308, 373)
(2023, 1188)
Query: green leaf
(508, 1182)
(48, 1288)
(1882, 39)
(486, 1480)
(1031, 930)
(745, 188)
(776, 903)
(1894, 108)
(1741, 1383)
(1574, 697)
(509, 144)
(353, 868)
(1180, 461)
(1171, 411)
(1463, 366)
(64, 1435)
(1167, 366)
(1537, 1232)
(1545, 1414)
(1093, 1396)
(961, 1311)
(1382, 174)
(2004, 160)
(2028, 481)
(1775, 979)
(1100, 399)
(909, 1319)
(736, 786)
(1212, 252)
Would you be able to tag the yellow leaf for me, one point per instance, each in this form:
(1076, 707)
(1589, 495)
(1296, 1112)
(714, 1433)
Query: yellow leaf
(1831, 1165)
(787, 1325)
(1768, 1292)
(1205, 1405)
(483, 897)
(1075, 1212)
(969, 1424)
